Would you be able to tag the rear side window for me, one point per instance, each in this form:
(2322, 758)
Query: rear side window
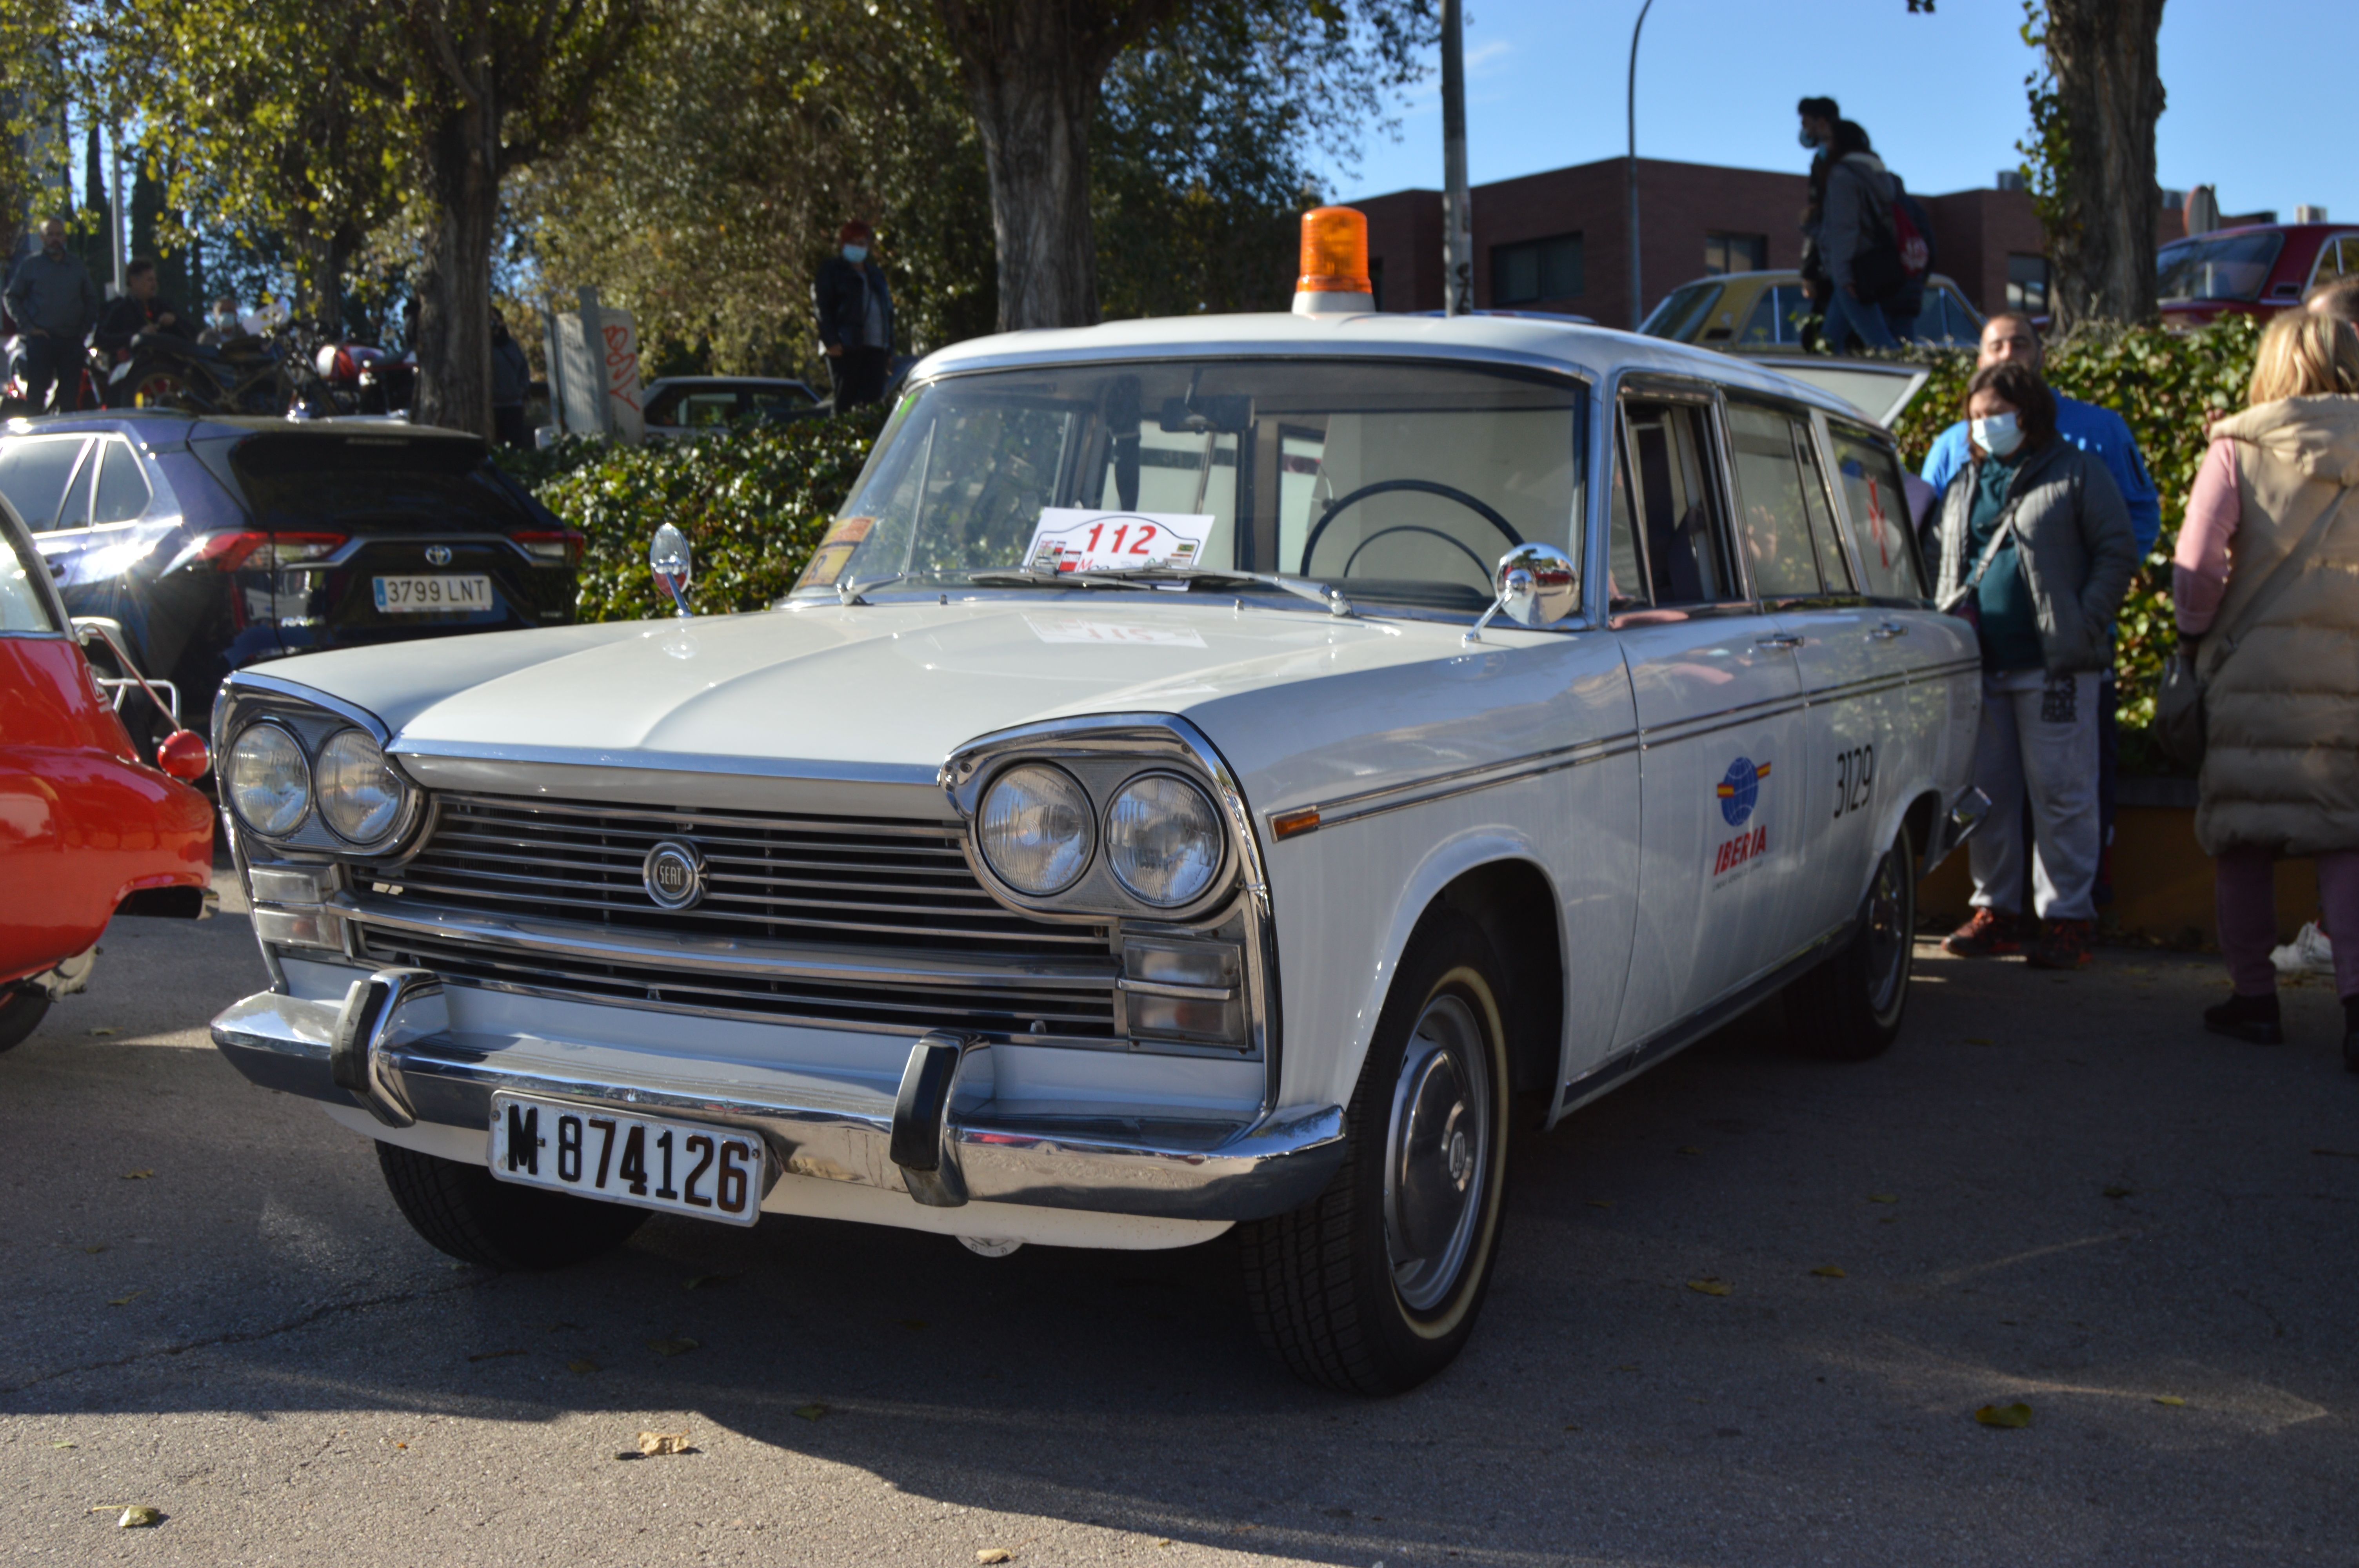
(1773, 521)
(33, 475)
(1876, 509)
(122, 492)
(362, 484)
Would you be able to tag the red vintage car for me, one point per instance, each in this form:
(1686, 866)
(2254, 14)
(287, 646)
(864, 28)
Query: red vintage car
(2252, 269)
(88, 830)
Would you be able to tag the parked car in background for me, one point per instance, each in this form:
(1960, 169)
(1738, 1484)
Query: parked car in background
(684, 407)
(1195, 783)
(219, 543)
(2254, 269)
(89, 827)
(1765, 310)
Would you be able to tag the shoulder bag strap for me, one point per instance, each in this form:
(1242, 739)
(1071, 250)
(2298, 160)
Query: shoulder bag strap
(1990, 552)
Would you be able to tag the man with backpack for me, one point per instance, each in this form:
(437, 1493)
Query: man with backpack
(1873, 248)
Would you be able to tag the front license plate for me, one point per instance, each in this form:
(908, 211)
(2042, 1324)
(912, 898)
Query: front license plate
(415, 595)
(680, 1167)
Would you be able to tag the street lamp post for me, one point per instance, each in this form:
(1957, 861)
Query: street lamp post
(1637, 297)
(1457, 208)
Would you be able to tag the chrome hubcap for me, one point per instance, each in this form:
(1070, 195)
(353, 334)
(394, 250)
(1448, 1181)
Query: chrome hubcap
(1436, 1164)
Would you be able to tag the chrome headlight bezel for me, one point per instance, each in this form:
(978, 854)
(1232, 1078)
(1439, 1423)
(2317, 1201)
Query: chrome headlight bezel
(1045, 779)
(312, 720)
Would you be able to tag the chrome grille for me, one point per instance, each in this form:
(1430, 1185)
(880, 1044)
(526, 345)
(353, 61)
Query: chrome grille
(873, 883)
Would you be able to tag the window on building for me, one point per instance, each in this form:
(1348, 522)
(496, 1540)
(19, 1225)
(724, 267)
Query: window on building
(1735, 252)
(2026, 283)
(1534, 270)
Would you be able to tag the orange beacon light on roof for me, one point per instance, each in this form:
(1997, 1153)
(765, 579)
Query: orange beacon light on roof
(1335, 262)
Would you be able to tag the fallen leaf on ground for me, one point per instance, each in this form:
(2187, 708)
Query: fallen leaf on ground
(494, 1355)
(1601, 1203)
(1689, 1149)
(71, 1445)
(2173, 1401)
(1884, 1198)
(1569, 1427)
(126, 1300)
(102, 1033)
(995, 1555)
(2015, 1414)
(1978, 1040)
(582, 1364)
(1710, 1287)
(679, 1346)
(810, 1413)
(1829, 1271)
(654, 1442)
(2119, 1191)
(138, 1516)
(137, 1175)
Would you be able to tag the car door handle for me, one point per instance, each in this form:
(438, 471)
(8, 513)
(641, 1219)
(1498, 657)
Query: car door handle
(1888, 631)
(1777, 639)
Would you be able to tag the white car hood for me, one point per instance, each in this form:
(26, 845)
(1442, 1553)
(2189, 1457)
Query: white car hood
(883, 691)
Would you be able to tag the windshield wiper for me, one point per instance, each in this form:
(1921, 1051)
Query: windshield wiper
(1330, 598)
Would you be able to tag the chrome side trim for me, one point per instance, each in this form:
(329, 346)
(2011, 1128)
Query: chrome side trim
(1198, 1167)
(244, 685)
(744, 785)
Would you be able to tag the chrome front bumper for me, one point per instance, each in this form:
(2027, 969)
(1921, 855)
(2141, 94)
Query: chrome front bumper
(389, 1049)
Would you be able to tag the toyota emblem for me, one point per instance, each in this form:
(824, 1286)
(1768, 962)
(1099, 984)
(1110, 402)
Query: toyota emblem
(674, 875)
(437, 555)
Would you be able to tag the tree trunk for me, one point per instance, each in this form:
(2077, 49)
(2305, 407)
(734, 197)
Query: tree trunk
(1033, 69)
(454, 293)
(318, 281)
(2107, 96)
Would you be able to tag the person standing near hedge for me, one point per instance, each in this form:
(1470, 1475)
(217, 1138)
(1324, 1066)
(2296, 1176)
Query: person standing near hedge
(2278, 658)
(855, 318)
(2036, 549)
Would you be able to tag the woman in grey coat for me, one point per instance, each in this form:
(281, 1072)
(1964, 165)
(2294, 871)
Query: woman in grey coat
(2036, 548)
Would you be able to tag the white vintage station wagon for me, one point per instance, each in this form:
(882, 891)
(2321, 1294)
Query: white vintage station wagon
(1221, 773)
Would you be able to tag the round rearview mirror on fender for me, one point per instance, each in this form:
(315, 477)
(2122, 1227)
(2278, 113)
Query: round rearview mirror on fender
(669, 558)
(1537, 584)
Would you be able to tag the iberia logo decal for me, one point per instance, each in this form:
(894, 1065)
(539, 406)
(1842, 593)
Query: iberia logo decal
(1740, 791)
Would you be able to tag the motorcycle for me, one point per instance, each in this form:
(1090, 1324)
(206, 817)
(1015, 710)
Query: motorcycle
(160, 370)
(362, 378)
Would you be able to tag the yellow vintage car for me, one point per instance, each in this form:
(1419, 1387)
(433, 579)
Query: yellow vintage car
(1765, 310)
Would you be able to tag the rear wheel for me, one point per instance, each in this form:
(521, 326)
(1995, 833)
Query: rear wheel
(156, 388)
(1374, 1285)
(1849, 1008)
(472, 1215)
(22, 1007)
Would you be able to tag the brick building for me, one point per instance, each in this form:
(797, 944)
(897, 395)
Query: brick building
(1560, 239)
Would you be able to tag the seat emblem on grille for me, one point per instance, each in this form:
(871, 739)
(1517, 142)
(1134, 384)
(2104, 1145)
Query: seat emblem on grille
(437, 555)
(674, 874)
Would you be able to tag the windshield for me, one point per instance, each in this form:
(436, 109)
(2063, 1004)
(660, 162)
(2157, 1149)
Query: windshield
(1401, 482)
(2234, 266)
(1681, 316)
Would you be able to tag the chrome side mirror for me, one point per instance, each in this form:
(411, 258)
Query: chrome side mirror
(1538, 585)
(668, 557)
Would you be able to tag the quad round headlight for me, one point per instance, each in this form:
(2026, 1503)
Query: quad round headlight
(1035, 829)
(360, 795)
(1163, 840)
(269, 784)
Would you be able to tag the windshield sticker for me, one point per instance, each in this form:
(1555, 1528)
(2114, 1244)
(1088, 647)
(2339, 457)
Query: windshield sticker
(1074, 629)
(1739, 791)
(1075, 539)
(835, 551)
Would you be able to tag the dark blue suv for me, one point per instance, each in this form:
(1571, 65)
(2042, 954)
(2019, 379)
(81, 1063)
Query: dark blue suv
(219, 543)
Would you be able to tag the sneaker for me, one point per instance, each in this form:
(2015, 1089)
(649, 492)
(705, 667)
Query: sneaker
(1989, 934)
(2253, 1018)
(2063, 945)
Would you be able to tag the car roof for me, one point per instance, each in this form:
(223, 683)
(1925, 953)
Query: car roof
(2291, 231)
(746, 381)
(1523, 342)
(170, 427)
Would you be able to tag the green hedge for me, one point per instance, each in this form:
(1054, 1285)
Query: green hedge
(751, 500)
(2161, 382)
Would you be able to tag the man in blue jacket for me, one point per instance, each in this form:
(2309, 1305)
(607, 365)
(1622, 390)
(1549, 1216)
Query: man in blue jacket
(2009, 335)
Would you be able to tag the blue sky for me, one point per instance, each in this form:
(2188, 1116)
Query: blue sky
(2258, 92)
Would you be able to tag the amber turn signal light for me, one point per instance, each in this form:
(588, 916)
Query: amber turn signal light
(1334, 252)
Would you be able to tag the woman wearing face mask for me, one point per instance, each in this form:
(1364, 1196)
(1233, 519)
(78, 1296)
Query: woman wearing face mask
(855, 318)
(2278, 622)
(2036, 551)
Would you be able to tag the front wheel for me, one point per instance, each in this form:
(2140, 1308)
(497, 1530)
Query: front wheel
(1374, 1285)
(1848, 1009)
(475, 1216)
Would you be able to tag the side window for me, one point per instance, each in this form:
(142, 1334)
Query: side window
(1677, 503)
(22, 606)
(1770, 517)
(1835, 567)
(33, 475)
(75, 513)
(1626, 586)
(1876, 508)
(122, 484)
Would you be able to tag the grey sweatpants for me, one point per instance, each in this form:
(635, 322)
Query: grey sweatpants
(2037, 734)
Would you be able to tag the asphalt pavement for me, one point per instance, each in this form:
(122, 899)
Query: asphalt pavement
(2055, 1190)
